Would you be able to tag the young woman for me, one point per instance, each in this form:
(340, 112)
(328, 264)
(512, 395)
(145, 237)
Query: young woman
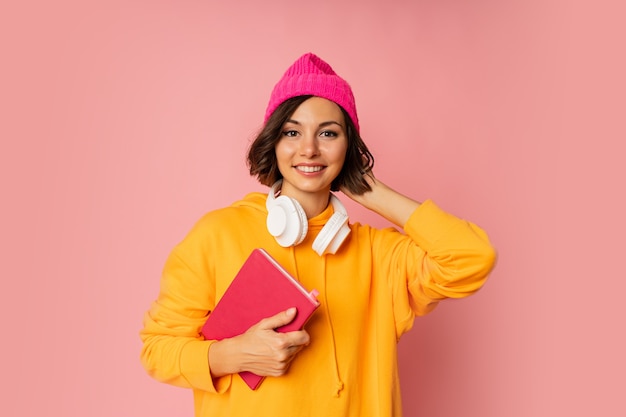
(372, 282)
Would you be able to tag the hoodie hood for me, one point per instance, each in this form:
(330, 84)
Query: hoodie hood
(255, 200)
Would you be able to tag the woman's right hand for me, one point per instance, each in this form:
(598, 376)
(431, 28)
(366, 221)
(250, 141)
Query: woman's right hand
(260, 350)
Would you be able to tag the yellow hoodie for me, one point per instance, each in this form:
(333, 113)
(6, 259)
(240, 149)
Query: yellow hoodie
(370, 292)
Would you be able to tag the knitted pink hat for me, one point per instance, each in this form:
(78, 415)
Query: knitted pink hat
(310, 75)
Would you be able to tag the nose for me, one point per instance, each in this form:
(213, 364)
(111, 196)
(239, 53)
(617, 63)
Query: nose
(309, 145)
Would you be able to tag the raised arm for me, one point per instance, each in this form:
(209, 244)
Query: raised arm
(385, 201)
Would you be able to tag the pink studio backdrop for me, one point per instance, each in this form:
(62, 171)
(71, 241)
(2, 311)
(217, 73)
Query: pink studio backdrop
(122, 122)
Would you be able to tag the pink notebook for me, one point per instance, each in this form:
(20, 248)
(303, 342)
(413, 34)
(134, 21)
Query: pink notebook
(261, 288)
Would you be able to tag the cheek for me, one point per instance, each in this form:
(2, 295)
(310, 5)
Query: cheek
(284, 154)
(281, 151)
(338, 154)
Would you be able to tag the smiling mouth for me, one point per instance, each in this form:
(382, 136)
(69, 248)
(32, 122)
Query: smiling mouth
(309, 168)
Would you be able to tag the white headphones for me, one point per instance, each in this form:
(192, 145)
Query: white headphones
(287, 222)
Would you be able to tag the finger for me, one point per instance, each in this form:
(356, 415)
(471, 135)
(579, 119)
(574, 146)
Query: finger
(298, 338)
(278, 320)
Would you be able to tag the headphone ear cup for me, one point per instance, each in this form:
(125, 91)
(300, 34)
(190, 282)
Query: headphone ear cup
(332, 234)
(286, 221)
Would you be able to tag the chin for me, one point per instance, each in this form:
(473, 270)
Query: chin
(310, 185)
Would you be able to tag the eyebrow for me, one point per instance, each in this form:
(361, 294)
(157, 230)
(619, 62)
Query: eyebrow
(323, 124)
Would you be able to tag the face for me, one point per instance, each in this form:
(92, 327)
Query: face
(312, 148)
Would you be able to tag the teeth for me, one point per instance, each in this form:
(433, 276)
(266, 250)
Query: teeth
(309, 169)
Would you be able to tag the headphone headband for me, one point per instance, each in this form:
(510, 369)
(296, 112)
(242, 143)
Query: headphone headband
(271, 199)
(287, 222)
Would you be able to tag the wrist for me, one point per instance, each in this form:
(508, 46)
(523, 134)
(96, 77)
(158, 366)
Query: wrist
(375, 198)
(390, 204)
(220, 357)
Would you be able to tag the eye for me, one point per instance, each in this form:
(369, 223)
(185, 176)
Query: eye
(290, 133)
(328, 133)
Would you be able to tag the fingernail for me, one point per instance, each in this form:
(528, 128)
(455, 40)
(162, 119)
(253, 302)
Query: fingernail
(291, 311)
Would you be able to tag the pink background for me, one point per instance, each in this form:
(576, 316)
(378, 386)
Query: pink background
(122, 122)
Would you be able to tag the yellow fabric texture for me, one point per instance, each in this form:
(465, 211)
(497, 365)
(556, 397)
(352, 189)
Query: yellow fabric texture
(370, 292)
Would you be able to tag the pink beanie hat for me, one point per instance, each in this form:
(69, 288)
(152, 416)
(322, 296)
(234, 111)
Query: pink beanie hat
(310, 75)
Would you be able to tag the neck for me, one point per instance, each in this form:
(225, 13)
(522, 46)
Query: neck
(312, 203)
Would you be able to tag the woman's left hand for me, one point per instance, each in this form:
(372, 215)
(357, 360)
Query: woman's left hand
(385, 201)
(362, 199)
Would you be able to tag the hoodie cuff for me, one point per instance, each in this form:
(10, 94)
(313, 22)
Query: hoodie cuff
(427, 224)
(194, 366)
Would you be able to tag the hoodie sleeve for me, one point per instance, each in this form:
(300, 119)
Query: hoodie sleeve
(174, 351)
(440, 257)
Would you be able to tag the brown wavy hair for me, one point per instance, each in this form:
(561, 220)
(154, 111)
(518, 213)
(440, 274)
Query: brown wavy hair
(262, 152)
